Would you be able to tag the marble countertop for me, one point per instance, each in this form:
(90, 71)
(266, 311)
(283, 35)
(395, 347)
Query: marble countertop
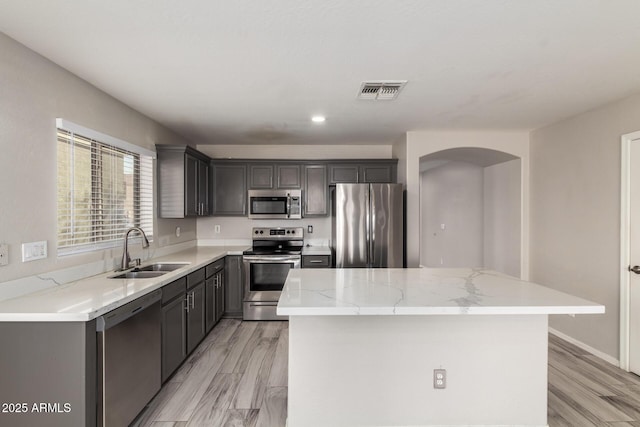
(421, 291)
(94, 296)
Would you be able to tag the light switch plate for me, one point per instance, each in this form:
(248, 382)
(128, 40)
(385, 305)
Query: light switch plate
(4, 254)
(34, 250)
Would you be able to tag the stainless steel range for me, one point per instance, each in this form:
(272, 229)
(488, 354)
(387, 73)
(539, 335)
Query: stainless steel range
(275, 251)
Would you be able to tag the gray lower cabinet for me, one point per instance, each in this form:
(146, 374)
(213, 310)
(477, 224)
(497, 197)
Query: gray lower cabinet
(219, 286)
(214, 292)
(196, 324)
(316, 261)
(229, 181)
(233, 287)
(174, 326)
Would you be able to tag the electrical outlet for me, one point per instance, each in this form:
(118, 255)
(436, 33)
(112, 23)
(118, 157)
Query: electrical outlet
(216, 228)
(4, 254)
(440, 378)
(309, 229)
(34, 250)
(177, 231)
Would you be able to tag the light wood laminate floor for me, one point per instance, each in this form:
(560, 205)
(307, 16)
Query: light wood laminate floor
(238, 377)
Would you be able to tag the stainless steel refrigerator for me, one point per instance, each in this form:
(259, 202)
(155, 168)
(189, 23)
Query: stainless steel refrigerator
(367, 225)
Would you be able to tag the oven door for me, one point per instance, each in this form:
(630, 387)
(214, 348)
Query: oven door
(264, 279)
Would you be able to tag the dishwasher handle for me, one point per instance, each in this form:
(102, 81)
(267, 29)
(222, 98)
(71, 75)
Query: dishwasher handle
(121, 314)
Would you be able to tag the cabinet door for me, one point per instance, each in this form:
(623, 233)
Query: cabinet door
(316, 261)
(203, 188)
(288, 176)
(196, 326)
(260, 176)
(234, 285)
(343, 173)
(174, 341)
(191, 185)
(377, 173)
(229, 189)
(315, 190)
(220, 295)
(210, 286)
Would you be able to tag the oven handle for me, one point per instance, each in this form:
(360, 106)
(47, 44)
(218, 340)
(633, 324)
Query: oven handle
(288, 205)
(271, 258)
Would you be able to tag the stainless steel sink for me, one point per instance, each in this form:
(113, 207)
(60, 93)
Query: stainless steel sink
(162, 266)
(138, 275)
(151, 270)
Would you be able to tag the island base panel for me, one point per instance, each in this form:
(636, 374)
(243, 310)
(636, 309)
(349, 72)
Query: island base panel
(378, 370)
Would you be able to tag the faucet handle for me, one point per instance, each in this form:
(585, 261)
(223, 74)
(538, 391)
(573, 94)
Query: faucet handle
(137, 262)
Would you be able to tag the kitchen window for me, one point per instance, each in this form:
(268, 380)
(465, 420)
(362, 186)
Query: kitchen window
(105, 186)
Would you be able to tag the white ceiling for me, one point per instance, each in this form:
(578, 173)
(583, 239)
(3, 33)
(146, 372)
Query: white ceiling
(255, 71)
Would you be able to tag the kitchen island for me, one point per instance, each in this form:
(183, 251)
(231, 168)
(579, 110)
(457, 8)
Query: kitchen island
(364, 345)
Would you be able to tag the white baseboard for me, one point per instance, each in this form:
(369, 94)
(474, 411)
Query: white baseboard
(610, 359)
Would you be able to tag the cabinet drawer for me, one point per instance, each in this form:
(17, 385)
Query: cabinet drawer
(174, 289)
(214, 267)
(315, 261)
(195, 278)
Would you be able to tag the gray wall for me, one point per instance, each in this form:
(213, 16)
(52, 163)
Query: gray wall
(575, 215)
(33, 93)
(452, 195)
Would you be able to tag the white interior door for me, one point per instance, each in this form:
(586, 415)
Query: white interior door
(634, 256)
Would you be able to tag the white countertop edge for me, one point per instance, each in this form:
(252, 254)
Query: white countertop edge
(435, 311)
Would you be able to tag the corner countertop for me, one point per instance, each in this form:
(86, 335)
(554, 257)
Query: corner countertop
(89, 298)
(421, 291)
(316, 250)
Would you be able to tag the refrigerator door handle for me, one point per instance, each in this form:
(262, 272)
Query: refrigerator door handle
(372, 229)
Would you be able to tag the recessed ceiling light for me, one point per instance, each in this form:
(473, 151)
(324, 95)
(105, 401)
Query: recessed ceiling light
(318, 119)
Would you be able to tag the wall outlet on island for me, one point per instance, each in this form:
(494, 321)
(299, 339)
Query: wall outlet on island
(439, 378)
(216, 228)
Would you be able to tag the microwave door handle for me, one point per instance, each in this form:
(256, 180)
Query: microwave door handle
(288, 205)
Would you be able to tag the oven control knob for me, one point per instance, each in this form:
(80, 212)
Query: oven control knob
(261, 231)
(288, 231)
(256, 231)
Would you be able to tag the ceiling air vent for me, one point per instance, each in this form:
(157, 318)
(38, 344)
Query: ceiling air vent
(384, 90)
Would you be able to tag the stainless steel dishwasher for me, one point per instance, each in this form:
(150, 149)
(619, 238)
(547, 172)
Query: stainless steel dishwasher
(128, 359)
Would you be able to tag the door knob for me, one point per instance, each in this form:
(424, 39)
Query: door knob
(635, 269)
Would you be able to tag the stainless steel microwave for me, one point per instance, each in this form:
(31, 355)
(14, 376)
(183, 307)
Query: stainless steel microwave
(275, 204)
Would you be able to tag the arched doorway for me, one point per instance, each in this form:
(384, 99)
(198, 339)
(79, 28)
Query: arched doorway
(470, 209)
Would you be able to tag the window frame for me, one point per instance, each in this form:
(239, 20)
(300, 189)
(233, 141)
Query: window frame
(143, 209)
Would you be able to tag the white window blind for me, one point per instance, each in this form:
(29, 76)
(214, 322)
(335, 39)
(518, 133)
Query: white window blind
(102, 191)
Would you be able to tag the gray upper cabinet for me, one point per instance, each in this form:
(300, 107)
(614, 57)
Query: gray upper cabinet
(229, 181)
(260, 176)
(377, 173)
(264, 175)
(343, 173)
(183, 182)
(288, 176)
(315, 191)
(369, 171)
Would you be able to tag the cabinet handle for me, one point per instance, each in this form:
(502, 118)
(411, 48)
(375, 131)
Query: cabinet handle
(316, 261)
(193, 299)
(186, 306)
